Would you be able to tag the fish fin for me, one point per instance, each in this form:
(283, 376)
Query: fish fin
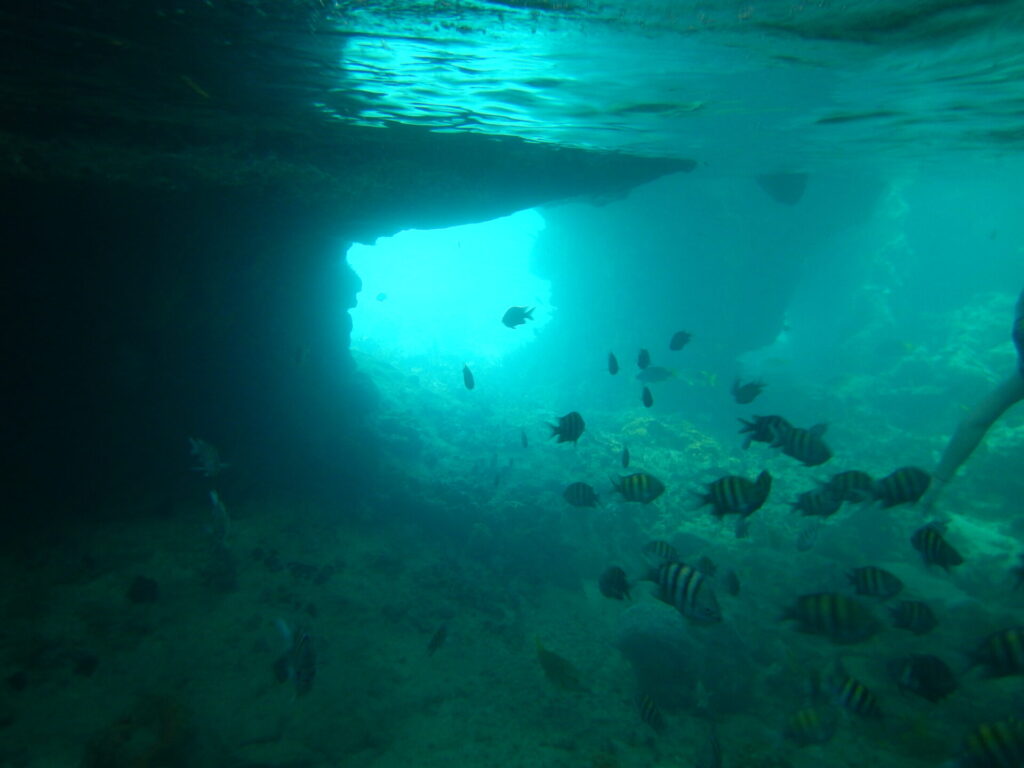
(529, 313)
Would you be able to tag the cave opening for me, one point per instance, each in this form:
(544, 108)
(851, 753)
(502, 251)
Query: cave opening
(433, 300)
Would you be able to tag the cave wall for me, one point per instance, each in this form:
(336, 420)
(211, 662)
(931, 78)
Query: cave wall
(144, 314)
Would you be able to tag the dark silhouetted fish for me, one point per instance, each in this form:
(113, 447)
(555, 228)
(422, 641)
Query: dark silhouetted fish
(613, 583)
(762, 429)
(737, 495)
(650, 713)
(639, 487)
(785, 188)
(613, 364)
(1018, 573)
(467, 377)
(688, 590)
(710, 754)
(929, 541)
(517, 316)
(643, 359)
(746, 393)
(1002, 652)
(874, 582)
(925, 675)
(804, 445)
(811, 725)
(679, 340)
(647, 398)
(852, 485)
(913, 616)
(904, 486)
(994, 745)
(298, 662)
(841, 619)
(580, 495)
(821, 502)
(437, 640)
(655, 374)
(569, 427)
(522, 438)
(658, 552)
(731, 582)
(558, 670)
(625, 456)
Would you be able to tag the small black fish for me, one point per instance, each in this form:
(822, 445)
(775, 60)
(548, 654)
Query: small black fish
(522, 438)
(734, 494)
(874, 582)
(643, 359)
(1018, 573)
(1002, 652)
(842, 619)
(746, 393)
(820, 502)
(625, 456)
(639, 487)
(763, 429)
(517, 316)
(580, 495)
(647, 398)
(613, 583)
(934, 548)
(650, 713)
(437, 640)
(804, 445)
(559, 670)
(853, 485)
(927, 676)
(913, 615)
(679, 340)
(467, 377)
(903, 486)
(613, 364)
(569, 427)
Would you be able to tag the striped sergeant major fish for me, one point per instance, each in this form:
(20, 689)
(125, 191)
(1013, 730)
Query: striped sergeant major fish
(734, 494)
(687, 589)
(852, 485)
(903, 486)
(658, 552)
(874, 582)
(650, 713)
(994, 745)
(569, 427)
(820, 502)
(913, 616)
(804, 445)
(929, 541)
(1002, 653)
(640, 487)
(840, 618)
(851, 694)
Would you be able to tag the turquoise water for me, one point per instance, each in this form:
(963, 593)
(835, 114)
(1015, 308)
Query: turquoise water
(343, 554)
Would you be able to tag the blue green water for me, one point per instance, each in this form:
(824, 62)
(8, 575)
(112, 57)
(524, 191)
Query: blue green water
(390, 593)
